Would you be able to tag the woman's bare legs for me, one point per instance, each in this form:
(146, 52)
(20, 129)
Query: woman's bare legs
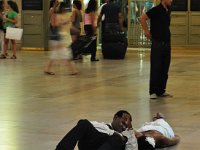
(6, 41)
(48, 69)
(14, 46)
(72, 67)
(74, 38)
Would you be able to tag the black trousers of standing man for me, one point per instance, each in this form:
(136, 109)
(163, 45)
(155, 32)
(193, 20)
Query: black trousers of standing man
(88, 138)
(160, 63)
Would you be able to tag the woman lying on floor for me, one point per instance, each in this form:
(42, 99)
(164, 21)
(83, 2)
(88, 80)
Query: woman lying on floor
(156, 134)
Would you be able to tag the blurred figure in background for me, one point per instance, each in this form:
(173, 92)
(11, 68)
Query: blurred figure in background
(113, 17)
(103, 17)
(57, 42)
(1, 26)
(90, 26)
(76, 20)
(10, 20)
(53, 5)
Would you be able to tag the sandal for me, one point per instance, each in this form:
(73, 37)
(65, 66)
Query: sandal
(13, 57)
(3, 56)
(49, 73)
(74, 73)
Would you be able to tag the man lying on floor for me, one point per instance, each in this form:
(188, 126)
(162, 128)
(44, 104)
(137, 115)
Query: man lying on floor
(101, 136)
(156, 134)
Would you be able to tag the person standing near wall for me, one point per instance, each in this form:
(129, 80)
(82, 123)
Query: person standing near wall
(1, 26)
(90, 26)
(161, 46)
(53, 5)
(10, 20)
(76, 20)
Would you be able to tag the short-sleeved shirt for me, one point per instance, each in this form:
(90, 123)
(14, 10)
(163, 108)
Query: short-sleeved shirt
(160, 23)
(10, 15)
(111, 12)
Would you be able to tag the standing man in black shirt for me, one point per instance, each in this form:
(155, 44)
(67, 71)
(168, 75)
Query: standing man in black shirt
(160, 36)
(113, 17)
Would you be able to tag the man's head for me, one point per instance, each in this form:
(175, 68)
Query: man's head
(105, 1)
(167, 3)
(111, 1)
(121, 121)
(146, 143)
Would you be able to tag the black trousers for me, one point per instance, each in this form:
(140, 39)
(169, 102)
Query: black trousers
(160, 63)
(93, 46)
(88, 138)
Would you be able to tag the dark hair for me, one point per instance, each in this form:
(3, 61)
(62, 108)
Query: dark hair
(52, 2)
(121, 113)
(78, 4)
(92, 6)
(143, 144)
(62, 6)
(1, 6)
(14, 6)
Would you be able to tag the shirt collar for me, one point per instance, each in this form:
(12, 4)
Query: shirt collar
(110, 126)
(161, 5)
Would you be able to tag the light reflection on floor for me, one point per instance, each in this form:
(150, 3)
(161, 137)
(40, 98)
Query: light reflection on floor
(37, 110)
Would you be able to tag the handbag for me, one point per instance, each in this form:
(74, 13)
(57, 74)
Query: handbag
(14, 33)
(81, 44)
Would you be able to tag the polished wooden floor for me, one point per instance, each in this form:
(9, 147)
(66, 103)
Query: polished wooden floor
(37, 110)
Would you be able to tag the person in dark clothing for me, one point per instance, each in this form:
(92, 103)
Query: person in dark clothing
(161, 46)
(113, 17)
(103, 17)
(90, 27)
(98, 136)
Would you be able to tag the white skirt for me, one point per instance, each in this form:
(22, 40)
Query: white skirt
(63, 53)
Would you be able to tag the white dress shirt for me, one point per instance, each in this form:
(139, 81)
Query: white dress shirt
(103, 128)
(159, 125)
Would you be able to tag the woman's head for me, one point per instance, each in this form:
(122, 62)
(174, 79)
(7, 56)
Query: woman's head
(54, 3)
(12, 5)
(62, 7)
(92, 6)
(146, 143)
(77, 4)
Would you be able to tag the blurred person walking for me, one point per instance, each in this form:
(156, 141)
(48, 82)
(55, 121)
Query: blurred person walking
(57, 42)
(10, 20)
(90, 26)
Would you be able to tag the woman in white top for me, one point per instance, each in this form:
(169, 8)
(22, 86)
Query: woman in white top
(156, 134)
(90, 26)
